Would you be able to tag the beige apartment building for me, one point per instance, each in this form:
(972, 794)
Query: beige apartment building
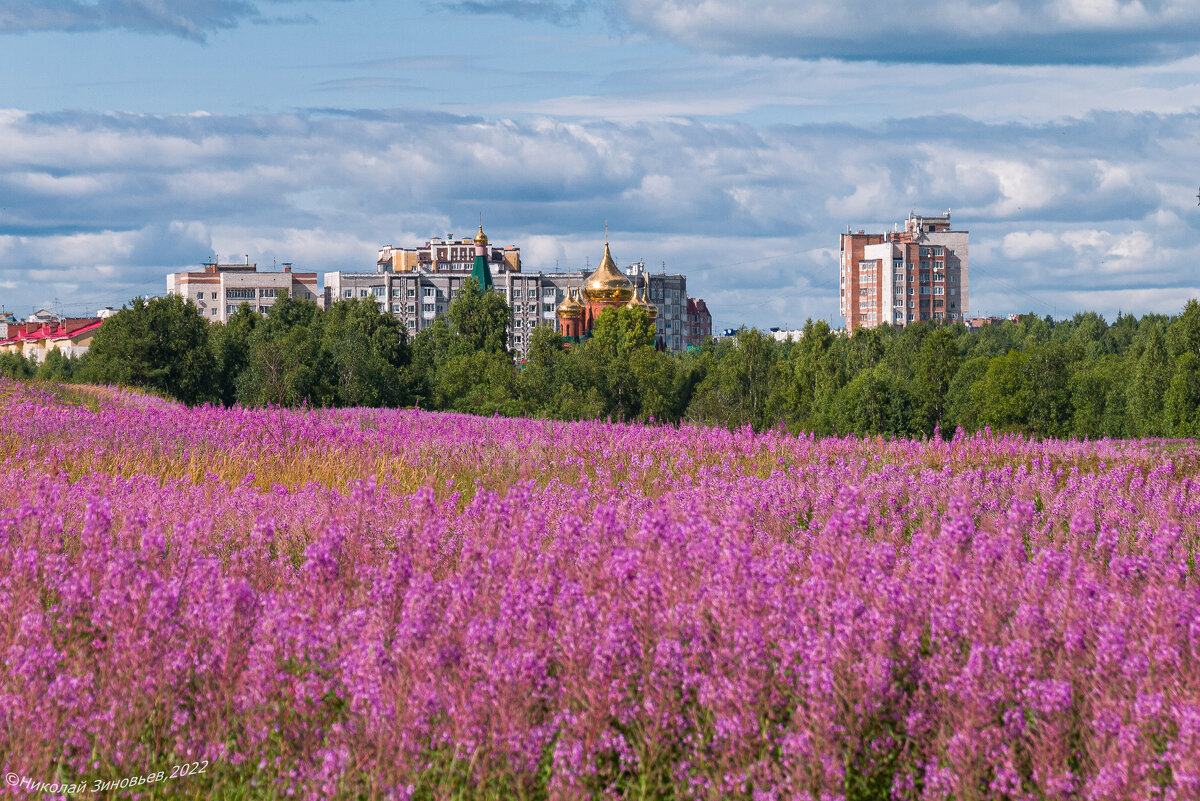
(906, 276)
(219, 289)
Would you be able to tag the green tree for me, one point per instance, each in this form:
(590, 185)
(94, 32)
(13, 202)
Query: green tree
(57, 367)
(807, 362)
(1184, 334)
(936, 363)
(962, 395)
(619, 331)
(230, 345)
(479, 318)
(368, 354)
(745, 385)
(1181, 406)
(539, 380)
(480, 382)
(1002, 397)
(160, 345)
(1098, 398)
(1046, 378)
(287, 366)
(1151, 379)
(875, 402)
(14, 365)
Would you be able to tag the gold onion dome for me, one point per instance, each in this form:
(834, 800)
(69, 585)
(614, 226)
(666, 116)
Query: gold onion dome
(570, 308)
(607, 284)
(638, 301)
(481, 237)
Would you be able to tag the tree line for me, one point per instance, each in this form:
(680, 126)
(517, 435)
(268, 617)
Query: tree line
(1081, 377)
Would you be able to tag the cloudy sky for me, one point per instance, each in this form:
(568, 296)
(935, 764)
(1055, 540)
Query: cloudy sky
(731, 140)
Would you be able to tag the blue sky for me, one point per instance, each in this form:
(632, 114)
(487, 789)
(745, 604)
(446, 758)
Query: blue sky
(730, 140)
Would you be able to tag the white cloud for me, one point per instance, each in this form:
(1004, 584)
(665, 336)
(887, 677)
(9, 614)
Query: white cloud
(939, 31)
(1030, 244)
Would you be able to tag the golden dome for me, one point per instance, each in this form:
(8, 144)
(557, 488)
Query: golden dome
(481, 237)
(570, 308)
(638, 301)
(607, 285)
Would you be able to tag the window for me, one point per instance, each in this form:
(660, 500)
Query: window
(953, 278)
(924, 290)
(230, 309)
(531, 293)
(429, 292)
(428, 308)
(912, 290)
(412, 308)
(519, 339)
(395, 293)
(214, 297)
(937, 290)
(349, 293)
(953, 290)
(517, 323)
(412, 293)
(412, 324)
(362, 293)
(214, 312)
(937, 251)
(516, 308)
(268, 293)
(379, 291)
(199, 296)
(395, 308)
(241, 294)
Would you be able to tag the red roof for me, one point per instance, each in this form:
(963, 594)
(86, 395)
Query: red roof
(67, 334)
(61, 330)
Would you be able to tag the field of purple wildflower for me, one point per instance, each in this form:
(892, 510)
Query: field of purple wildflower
(365, 604)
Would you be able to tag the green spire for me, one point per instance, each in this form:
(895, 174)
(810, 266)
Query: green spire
(481, 273)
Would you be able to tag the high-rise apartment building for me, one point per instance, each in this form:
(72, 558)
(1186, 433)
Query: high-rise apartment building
(902, 277)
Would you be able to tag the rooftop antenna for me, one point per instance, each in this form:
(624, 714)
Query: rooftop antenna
(606, 232)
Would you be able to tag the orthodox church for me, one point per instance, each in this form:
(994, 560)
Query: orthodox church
(606, 288)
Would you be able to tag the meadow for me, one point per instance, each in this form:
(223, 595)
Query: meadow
(379, 604)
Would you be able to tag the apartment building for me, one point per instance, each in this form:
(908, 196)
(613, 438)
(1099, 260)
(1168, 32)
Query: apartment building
(906, 276)
(699, 323)
(416, 285)
(418, 297)
(219, 289)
